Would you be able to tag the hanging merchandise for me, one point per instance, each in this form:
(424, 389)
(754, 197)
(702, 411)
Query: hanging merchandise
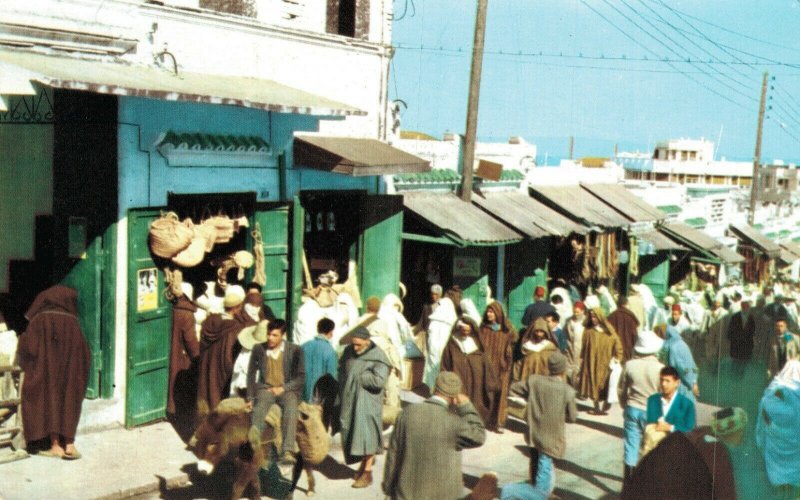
(260, 276)
(169, 236)
(611, 256)
(241, 260)
(193, 254)
(633, 264)
(586, 269)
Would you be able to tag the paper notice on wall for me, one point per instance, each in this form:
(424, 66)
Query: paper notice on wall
(467, 266)
(147, 290)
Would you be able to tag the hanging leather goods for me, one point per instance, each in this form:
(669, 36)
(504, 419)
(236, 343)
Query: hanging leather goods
(260, 276)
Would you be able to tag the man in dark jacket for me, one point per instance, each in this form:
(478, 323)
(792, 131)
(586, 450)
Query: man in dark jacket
(539, 308)
(276, 375)
(550, 402)
(741, 332)
(626, 324)
(424, 457)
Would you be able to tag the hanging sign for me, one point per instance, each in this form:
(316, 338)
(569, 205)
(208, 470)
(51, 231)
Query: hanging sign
(467, 267)
(147, 289)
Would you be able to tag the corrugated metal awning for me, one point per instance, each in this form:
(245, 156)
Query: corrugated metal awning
(463, 222)
(750, 235)
(107, 77)
(699, 240)
(792, 247)
(354, 156)
(623, 201)
(577, 204)
(727, 255)
(660, 241)
(527, 215)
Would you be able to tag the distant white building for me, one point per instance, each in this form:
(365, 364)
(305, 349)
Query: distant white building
(516, 154)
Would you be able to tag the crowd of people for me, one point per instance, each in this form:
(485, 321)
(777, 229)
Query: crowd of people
(732, 348)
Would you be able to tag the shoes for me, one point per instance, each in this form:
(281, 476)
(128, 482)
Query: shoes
(50, 454)
(288, 458)
(500, 429)
(364, 480)
(72, 456)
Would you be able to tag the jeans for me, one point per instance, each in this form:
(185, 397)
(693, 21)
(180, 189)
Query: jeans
(288, 402)
(634, 423)
(545, 483)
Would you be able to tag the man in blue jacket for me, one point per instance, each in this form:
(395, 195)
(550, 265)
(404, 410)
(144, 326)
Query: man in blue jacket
(668, 409)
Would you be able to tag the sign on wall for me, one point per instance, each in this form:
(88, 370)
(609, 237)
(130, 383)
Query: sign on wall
(147, 289)
(469, 267)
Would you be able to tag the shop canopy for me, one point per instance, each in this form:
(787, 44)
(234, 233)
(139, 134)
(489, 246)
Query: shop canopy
(462, 223)
(792, 247)
(700, 241)
(790, 252)
(526, 215)
(354, 156)
(660, 241)
(107, 77)
(750, 235)
(626, 203)
(577, 204)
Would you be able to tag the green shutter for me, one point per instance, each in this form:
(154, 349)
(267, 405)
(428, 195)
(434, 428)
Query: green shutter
(274, 224)
(297, 283)
(149, 325)
(655, 274)
(381, 245)
(526, 268)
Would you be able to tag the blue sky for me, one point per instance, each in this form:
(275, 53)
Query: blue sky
(576, 87)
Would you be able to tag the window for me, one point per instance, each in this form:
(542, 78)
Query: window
(348, 18)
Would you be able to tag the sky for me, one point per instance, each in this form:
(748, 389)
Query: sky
(625, 72)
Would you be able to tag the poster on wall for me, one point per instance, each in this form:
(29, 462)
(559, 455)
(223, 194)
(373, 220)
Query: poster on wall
(147, 290)
(466, 267)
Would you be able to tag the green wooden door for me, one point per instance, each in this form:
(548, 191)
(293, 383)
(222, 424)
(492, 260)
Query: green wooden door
(86, 277)
(297, 284)
(274, 224)
(381, 245)
(526, 268)
(655, 274)
(521, 296)
(476, 292)
(149, 324)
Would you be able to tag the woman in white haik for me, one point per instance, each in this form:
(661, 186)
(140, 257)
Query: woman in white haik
(441, 323)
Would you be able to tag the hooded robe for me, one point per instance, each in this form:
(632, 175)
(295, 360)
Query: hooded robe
(476, 370)
(498, 341)
(362, 378)
(184, 352)
(600, 344)
(55, 357)
(627, 325)
(219, 347)
(676, 353)
(534, 357)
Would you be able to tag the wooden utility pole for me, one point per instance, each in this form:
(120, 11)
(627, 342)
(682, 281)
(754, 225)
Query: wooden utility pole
(571, 146)
(472, 103)
(754, 185)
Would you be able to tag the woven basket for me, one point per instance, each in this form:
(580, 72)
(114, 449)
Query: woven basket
(191, 255)
(169, 236)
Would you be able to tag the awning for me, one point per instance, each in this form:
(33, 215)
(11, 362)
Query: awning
(660, 241)
(354, 156)
(696, 222)
(750, 235)
(792, 247)
(700, 241)
(787, 257)
(623, 201)
(105, 77)
(463, 222)
(527, 215)
(575, 203)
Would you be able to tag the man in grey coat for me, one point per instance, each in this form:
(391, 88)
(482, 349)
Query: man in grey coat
(424, 457)
(363, 370)
(551, 401)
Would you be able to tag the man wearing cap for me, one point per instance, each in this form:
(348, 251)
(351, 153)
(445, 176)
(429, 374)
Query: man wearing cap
(276, 375)
(416, 469)
(539, 308)
(363, 370)
(219, 348)
(640, 379)
(677, 319)
(424, 319)
(549, 400)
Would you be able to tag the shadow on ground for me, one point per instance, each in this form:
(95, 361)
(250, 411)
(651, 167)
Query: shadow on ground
(611, 430)
(219, 484)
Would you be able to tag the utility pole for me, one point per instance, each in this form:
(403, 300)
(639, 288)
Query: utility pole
(754, 185)
(472, 102)
(571, 147)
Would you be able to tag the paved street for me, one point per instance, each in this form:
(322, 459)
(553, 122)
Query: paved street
(150, 462)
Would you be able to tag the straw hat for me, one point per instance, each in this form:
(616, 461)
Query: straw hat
(252, 335)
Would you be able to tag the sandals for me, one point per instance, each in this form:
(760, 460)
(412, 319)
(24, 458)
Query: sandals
(72, 456)
(48, 454)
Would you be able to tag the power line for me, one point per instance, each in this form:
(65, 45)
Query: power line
(640, 44)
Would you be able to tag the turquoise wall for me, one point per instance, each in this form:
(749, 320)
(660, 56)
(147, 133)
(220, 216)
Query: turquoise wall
(146, 178)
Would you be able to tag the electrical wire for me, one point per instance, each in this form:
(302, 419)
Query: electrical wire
(405, 11)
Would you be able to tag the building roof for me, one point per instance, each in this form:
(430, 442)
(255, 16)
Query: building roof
(526, 215)
(696, 222)
(354, 156)
(577, 204)
(670, 209)
(463, 222)
(623, 201)
(106, 77)
(699, 240)
(751, 235)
